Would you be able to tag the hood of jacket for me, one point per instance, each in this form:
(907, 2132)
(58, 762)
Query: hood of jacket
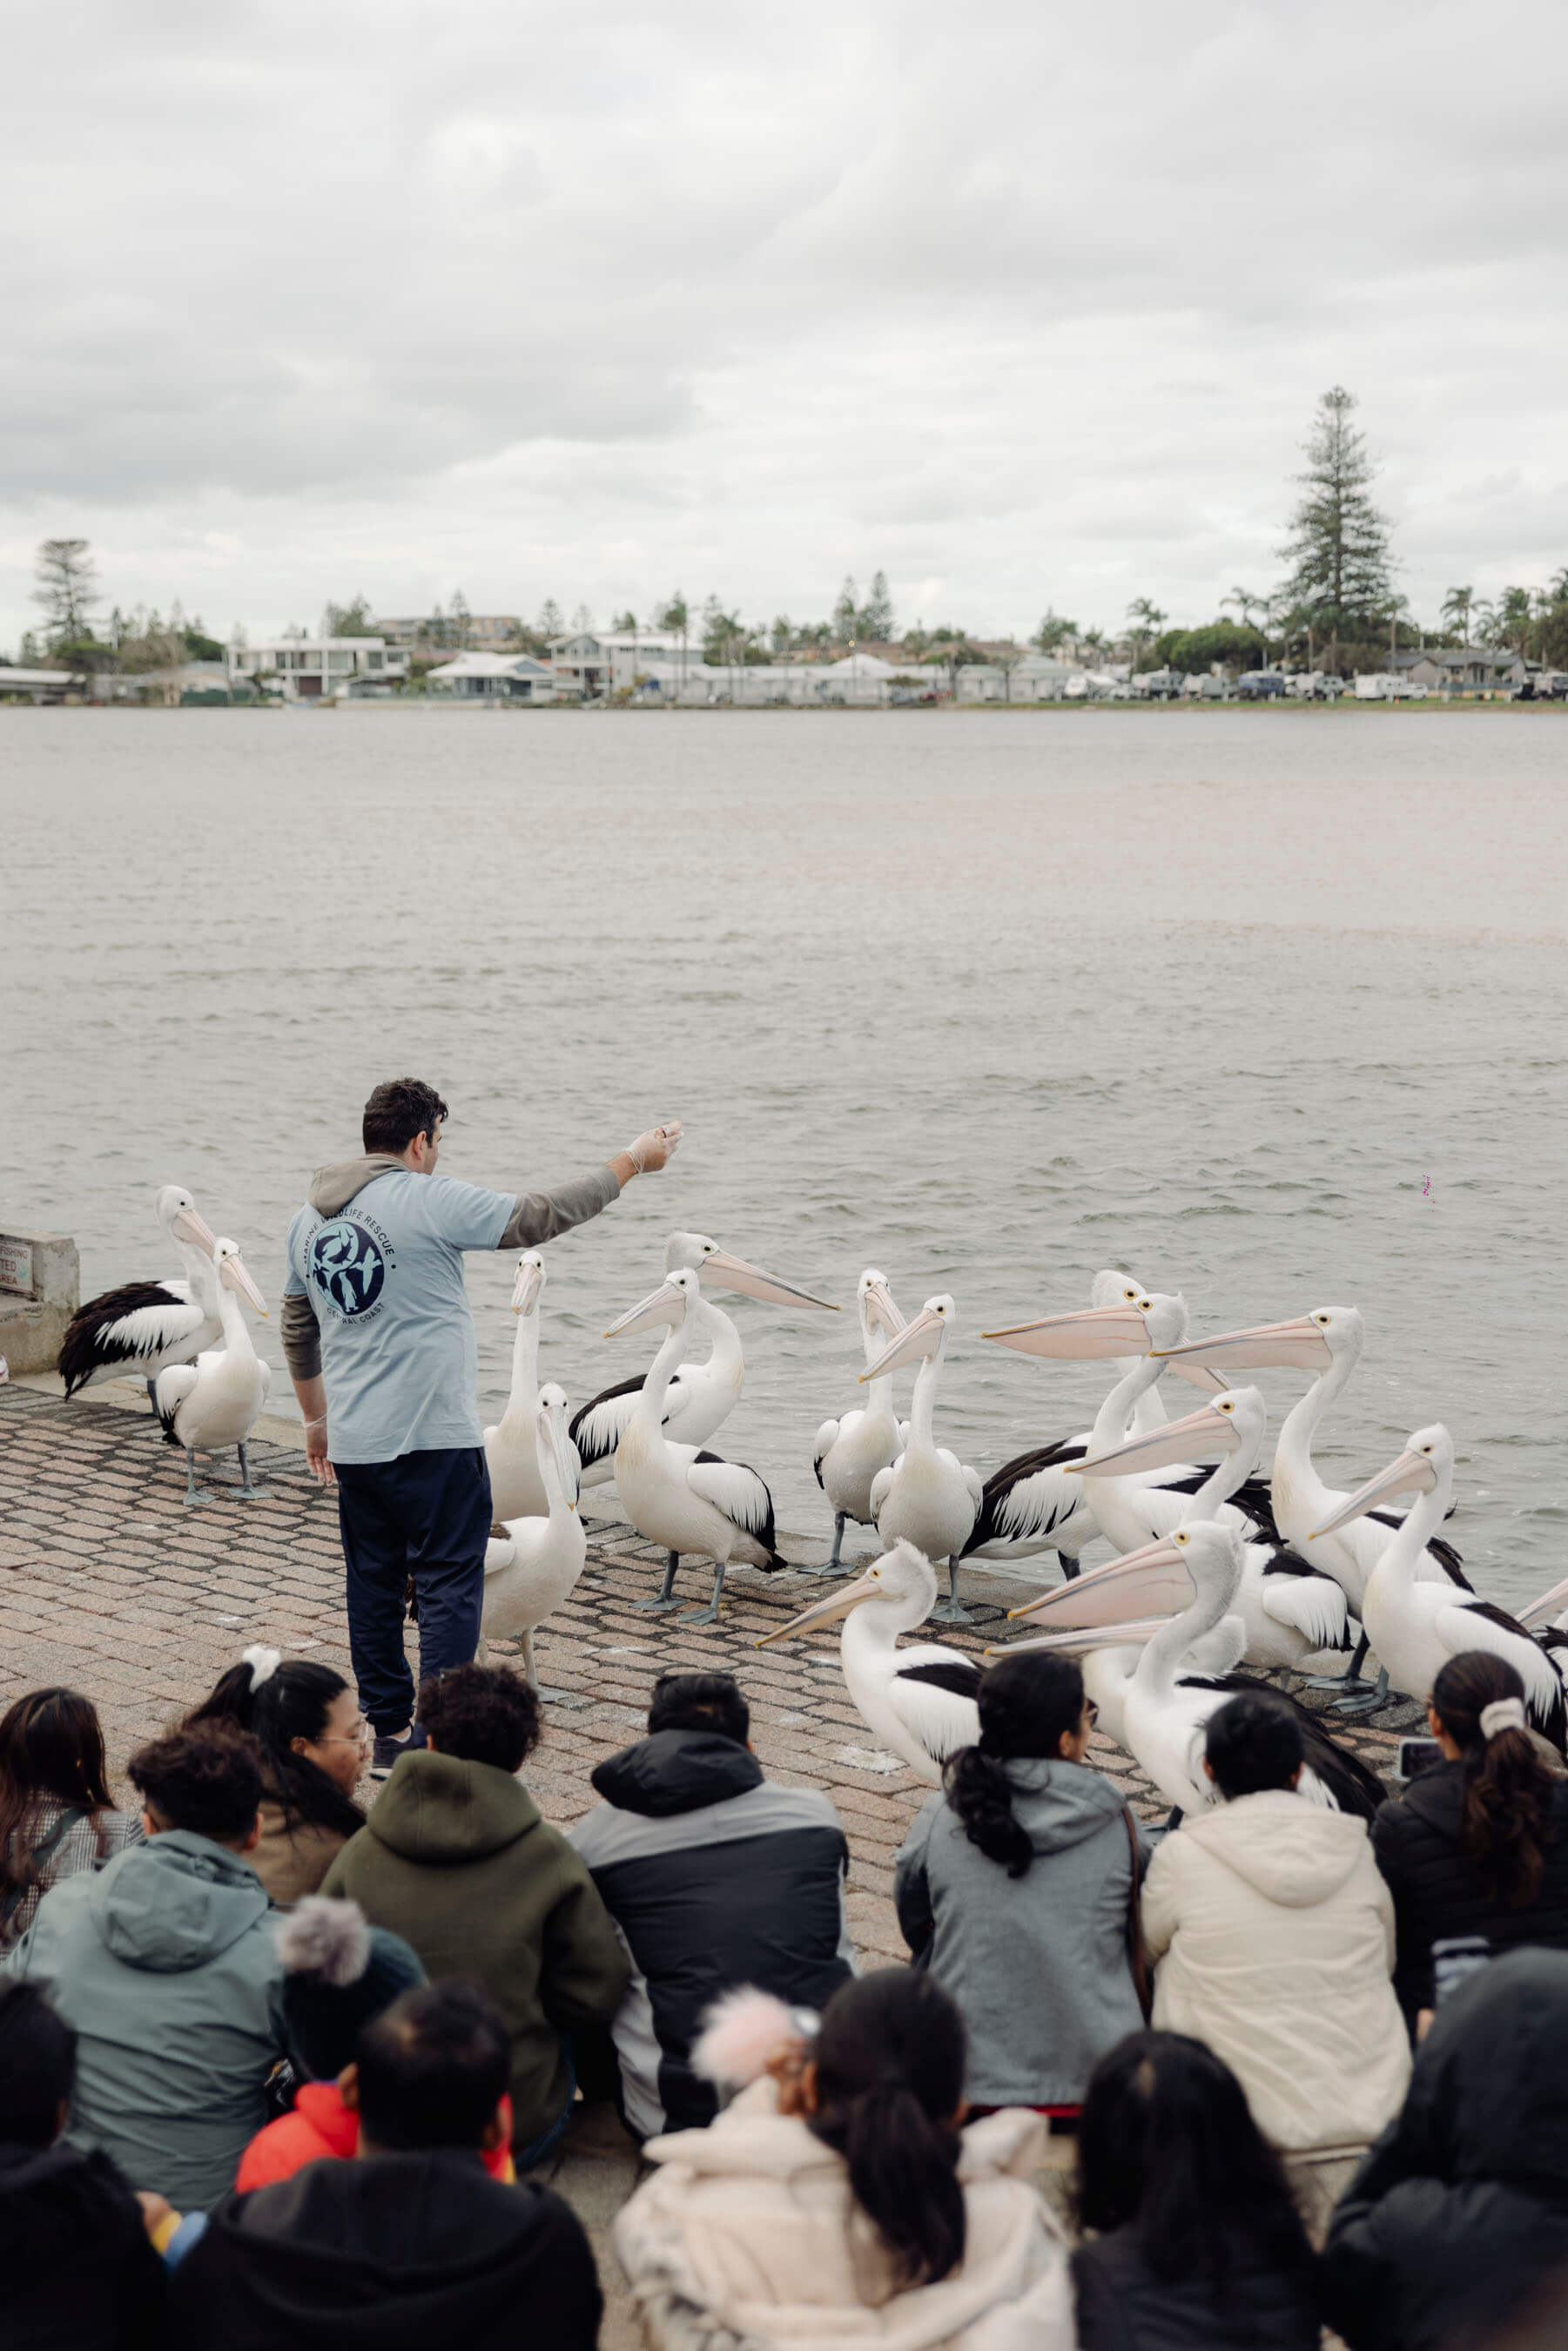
(440, 1809)
(1488, 2099)
(1060, 1804)
(175, 1903)
(332, 1188)
(1290, 1850)
(56, 2203)
(373, 2241)
(676, 1772)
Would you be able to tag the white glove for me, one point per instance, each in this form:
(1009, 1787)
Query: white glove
(652, 1149)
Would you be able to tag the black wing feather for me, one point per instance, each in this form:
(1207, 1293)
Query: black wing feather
(959, 1679)
(1000, 1483)
(84, 1352)
(1354, 1787)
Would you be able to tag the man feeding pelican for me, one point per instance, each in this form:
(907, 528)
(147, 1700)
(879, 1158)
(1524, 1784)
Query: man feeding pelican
(380, 1344)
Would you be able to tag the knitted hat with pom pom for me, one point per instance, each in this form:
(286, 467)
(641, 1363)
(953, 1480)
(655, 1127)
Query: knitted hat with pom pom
(339, 1973)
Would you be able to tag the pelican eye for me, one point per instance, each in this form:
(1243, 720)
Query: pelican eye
(1179, 1537)
(1323, 1319)
(1227, 1407)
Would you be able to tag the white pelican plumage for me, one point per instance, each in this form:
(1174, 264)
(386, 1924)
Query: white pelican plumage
(1034, 1503)
(1291, 1611)
(144, 1325)
(848, 1453)
(531, 1562)
(1327, 1342)
(513, 1453)
(684, 1500)
(1414, 1627)
(1193, 1572)
(702, 1395)
(928, 1497)
(217, 1400)
(919, 1701)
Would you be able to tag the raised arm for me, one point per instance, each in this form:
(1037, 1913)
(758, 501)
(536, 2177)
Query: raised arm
(541, 1215)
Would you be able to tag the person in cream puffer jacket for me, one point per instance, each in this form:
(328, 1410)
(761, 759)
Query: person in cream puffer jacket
(1273, 1931)
(758, 2228)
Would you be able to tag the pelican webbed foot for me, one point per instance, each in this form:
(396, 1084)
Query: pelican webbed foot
(708, 1615)
(833, 1566)
(663, 1599)
(1364, 1701)
(951, 1611)
(1346, 1683)
(247, 1493)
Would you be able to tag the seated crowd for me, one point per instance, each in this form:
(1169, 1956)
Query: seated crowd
(276, 2070)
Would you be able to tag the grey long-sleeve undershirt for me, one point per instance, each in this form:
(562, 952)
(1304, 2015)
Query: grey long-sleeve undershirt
(537, 1217)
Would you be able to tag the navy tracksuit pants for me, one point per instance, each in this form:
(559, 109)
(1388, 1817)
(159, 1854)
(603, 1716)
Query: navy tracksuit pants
(427, 1515)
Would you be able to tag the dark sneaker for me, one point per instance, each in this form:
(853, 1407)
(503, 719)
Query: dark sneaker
(387, 1751)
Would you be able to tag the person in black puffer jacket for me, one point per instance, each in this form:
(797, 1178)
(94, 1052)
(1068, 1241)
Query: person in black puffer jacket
(1478, 1845)
(1457, 2223)
(1199, 2245)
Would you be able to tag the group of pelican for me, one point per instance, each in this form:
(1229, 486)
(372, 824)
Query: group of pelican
(1218, 1569)
(187, 1337)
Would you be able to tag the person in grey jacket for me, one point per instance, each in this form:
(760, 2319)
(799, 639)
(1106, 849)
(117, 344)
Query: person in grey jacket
(165, 1964)
(379, 1338)
(1016, 1885)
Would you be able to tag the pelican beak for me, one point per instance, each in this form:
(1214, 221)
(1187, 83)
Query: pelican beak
(1412, 1474)
(233, 1274)
(838, 1603)
(1298, 1346)
(1077, 1643)
(1089, 1336)
(750, 1281)
(884, 1313)
(189, 1226)
(567, 1468)
(1547, 1601)
(667, 1304)
(1198, 1375)
(1146, 1583)
(919, 1340)
(1209, 1430)
(526, 1289)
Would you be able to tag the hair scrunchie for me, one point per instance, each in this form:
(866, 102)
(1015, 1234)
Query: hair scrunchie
(1503, 1714)
(262, 1663)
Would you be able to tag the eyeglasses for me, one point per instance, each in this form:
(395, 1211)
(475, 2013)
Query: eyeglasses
(358, 1737)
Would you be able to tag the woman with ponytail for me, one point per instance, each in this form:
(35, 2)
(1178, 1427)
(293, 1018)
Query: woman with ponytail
(839, 2199)
(1476, 1849)
(317, 1745)
(1017, 1887)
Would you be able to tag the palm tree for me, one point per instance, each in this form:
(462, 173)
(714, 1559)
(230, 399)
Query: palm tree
(1246, 604)
(677, 618)
(1147, 616)
(1457, 605)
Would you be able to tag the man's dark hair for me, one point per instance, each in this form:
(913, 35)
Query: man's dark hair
(482, 1714)
(38, 2066)
(433, 2067)
(398, 1110)
(206, 1779)
(1253, 1742)
(700, 1702)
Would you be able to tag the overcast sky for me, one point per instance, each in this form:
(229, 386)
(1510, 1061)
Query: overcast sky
(1024, 305)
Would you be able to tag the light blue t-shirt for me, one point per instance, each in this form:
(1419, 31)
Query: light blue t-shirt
(384, 1277)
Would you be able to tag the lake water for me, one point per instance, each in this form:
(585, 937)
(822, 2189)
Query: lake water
(1266, 1005)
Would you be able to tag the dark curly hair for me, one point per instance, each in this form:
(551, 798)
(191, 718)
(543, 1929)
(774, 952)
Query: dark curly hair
(292, 1703)
(208, 1780)
(1505, 1819)
(398, 1110)
(481, 1714)
(1026, 1704)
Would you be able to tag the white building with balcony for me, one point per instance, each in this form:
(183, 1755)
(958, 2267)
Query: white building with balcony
(314, 669)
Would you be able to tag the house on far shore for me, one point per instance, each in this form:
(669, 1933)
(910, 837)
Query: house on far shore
(1461, 668)
(492, 678)
(315, 669)
(483, 633)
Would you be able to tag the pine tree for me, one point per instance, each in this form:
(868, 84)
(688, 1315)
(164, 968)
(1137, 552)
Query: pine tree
(66, 577)
(876, 618)
(846, 618)
(1341, 574)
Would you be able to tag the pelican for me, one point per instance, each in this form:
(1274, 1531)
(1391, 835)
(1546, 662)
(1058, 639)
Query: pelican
(928, 1496)
(1327, 1342)
(217, 1400)
(531, 1562)
(1415, 1628)
(1127, 1509)
(849, 1452)
(1291, 1611)
(1033, 1502)
(513, 1451)
(1196, 1571)
(704, 1395)
(919, 1701)
(147, 1324)
(674, 1495)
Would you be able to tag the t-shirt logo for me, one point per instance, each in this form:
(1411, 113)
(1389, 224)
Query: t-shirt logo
(348, 1266)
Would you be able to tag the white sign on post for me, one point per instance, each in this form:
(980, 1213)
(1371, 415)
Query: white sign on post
(17, 1266)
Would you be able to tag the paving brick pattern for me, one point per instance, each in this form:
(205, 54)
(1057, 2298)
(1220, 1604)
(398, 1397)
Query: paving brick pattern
(108, 1581)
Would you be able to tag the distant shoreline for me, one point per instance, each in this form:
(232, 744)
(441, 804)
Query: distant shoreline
(1346, 707)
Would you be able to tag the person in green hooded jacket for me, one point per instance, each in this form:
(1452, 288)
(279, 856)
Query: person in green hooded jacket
(163, 1962)
(456, 1858)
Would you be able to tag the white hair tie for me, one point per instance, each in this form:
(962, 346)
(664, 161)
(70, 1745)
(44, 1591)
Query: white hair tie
(1503, 1714)
(262, 1663)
